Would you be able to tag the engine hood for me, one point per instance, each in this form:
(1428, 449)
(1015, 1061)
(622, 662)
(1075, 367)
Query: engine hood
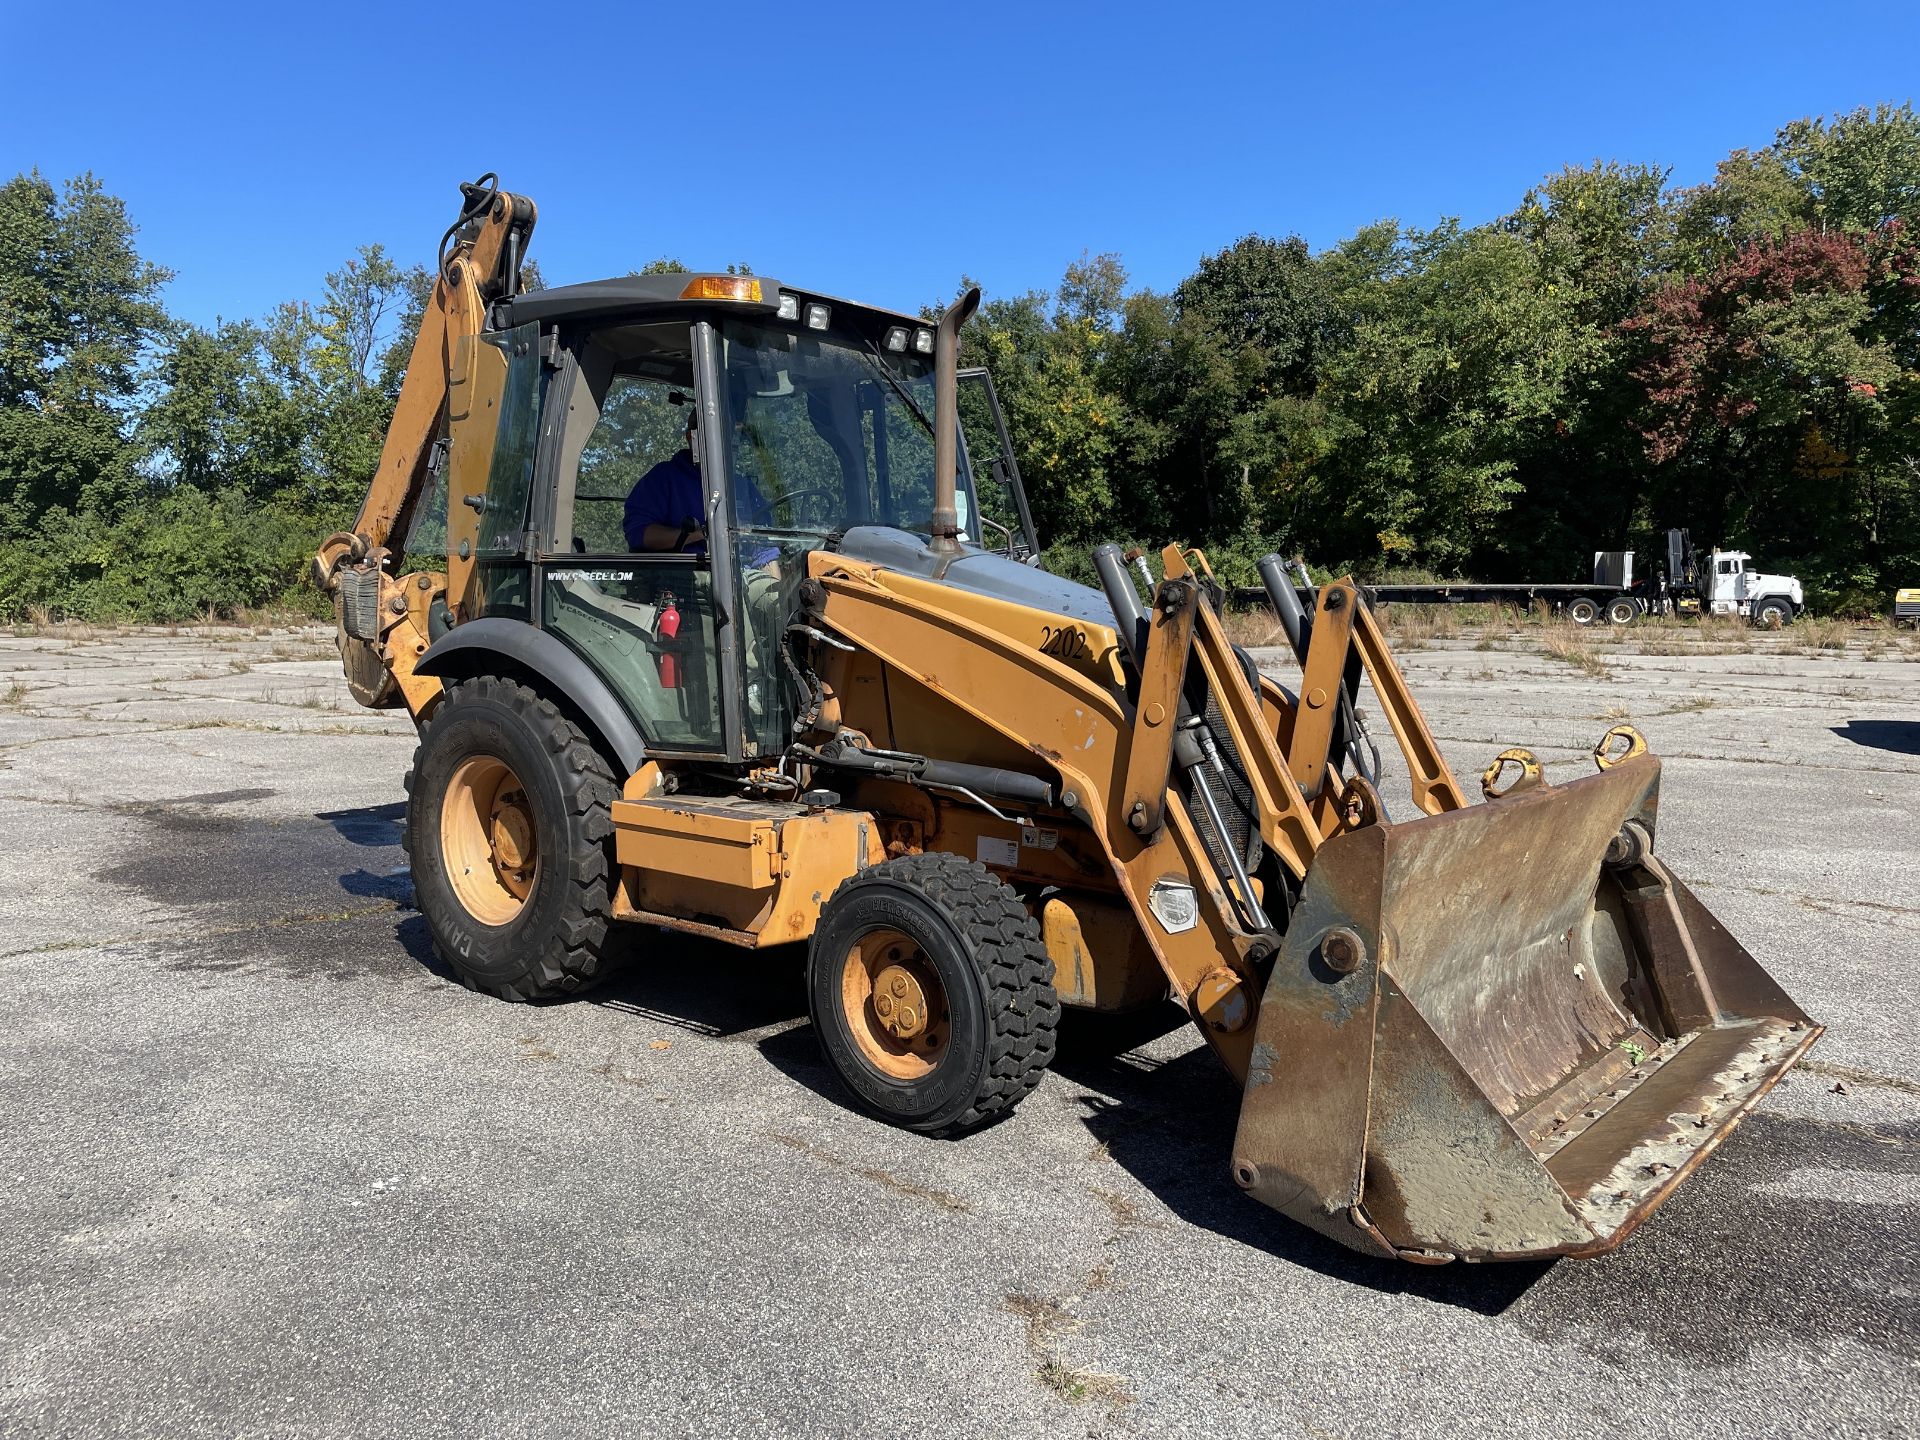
(979, 571)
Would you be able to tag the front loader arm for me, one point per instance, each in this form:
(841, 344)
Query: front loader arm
(383, 619)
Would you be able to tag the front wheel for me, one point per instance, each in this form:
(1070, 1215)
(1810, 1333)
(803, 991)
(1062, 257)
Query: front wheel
(511, 842)
(1773, 614)
(932, 993)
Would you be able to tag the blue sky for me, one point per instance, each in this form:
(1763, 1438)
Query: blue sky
(880, 151)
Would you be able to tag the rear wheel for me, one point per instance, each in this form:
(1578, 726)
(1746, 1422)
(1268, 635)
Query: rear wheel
(1621, 611)
(1583, 610)
(932, 993)
(1773, 614)
(511, 842)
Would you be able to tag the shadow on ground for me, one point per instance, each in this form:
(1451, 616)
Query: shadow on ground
(1794, 1236)
(1902, 737)
(1758, 1240)
(1170, 1123)
(369, 824)
(704, 986)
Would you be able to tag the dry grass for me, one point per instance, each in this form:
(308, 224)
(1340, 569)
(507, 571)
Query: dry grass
(304, 700)
(1811, 637)
(42, 621)
(1048, 1322)
(1413, 627)
(1666, 644)
(1571, 646)
(13, 695)
(1252, 628)
(1725, 630)
(1690, 707)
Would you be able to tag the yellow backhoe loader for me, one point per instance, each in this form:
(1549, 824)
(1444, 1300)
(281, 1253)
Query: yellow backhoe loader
(711, 627)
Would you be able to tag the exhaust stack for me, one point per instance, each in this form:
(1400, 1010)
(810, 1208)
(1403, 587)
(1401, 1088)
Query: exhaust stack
(945, 527)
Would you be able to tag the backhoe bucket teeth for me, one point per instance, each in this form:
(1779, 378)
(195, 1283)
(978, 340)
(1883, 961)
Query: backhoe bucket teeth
(1502, 1032)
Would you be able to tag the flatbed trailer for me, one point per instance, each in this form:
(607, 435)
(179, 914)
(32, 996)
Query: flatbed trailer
(1583, 604)
(1720, 582)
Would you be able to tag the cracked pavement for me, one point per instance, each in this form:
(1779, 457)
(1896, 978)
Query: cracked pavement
(264, 1167)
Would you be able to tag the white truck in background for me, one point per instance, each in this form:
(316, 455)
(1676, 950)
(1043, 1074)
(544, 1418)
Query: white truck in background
(1724, 582)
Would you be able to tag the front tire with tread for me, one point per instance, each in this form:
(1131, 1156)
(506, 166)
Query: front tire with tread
(1002, 1011)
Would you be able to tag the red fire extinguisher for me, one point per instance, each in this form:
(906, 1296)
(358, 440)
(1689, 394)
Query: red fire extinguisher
(666, 628)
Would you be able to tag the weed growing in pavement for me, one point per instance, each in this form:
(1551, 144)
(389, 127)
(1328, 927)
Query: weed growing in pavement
(1812, 637)
(1573, 650)
(1688, 707)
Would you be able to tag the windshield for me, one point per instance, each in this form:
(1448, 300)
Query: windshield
(831, 431)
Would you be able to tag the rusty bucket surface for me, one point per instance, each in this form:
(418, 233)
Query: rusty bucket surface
(1505, 1031)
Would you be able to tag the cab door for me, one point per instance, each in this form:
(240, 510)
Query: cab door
(646, 621)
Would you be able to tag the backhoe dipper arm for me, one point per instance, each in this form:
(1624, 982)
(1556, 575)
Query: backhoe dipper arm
(479, 263)
(385, 620)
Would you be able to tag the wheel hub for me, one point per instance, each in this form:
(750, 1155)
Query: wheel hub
(511, 835)
(489, 839)
(899, 1002)
(895, 1005)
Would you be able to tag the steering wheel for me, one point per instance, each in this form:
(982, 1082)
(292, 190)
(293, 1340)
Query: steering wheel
(793, 497)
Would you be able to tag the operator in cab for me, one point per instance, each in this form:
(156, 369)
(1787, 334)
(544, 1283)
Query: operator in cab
(666, 510)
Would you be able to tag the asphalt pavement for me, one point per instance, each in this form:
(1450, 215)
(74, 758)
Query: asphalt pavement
(265, 1168)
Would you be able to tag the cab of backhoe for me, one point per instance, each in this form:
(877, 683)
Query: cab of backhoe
(603, 523)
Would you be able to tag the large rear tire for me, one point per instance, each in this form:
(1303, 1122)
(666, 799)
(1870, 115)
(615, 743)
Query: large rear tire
(932, 993)
(1583, 610)
(511, 841)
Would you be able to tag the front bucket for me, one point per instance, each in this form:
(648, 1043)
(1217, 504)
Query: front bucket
(1489, 1038)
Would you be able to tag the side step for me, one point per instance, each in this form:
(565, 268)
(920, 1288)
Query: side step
(747, 871)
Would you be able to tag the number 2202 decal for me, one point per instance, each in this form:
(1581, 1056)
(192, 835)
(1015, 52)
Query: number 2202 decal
(1065, 642)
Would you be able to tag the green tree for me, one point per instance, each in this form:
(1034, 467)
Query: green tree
(1775, 405)
(79, 311)
(1861, 169)
(1451, 365)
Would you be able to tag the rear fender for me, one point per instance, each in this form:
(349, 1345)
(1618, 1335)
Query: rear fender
(479, 647)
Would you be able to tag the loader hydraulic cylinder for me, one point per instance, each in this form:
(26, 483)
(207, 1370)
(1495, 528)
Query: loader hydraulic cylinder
(1286, 603)
(1130, 616)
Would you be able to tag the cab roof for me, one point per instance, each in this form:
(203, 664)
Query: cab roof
(635, 294)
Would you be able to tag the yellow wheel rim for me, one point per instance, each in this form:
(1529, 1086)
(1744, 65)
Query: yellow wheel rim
(488, 839)
(895, 1005)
